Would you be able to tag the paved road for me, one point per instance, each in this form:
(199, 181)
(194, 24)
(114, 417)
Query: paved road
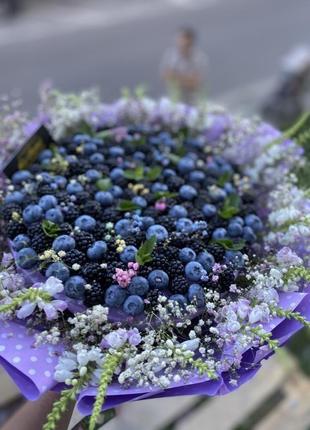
(119, 43)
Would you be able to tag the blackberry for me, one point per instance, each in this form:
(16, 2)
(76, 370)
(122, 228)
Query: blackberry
(94, 296)
(217, 251)
(94, 272)
(226, 278)
(74, 256)
(71, 213)
(83, 240)
(82, 197)
(34, 228)
(167, 221)
(99, 231)
(151, 300)
(40, 242)
(8, 209)
(14, 228)
(174, 183)
(242, 281)
(178, 285)
(63, 197)
(196, 215)
(180, 240)
(29, 200)
(44, 189)
(35, 169)
(150, 211)
(145, 270)
(92, 208)
(65, 228)
(160, 262)
(175, 268)
(110, 214)
(111, 255)
(198, 245)
(170, 252)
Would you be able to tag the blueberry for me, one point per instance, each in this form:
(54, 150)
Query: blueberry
(116, 174)
(116, 191)
(186, 165)
(74, 188)
(48, 202)
(140, 201)
(63, 243)
(159, 187)
(138, 155)
(187, 254)
(238, 220)
(217, 194)
(234, 229)
(219, 233)
(105, 198)
(75, 287)
(55, 215)
(133, 305)
(21, 241)
(85, 223)
(21, 176)
(58, 270)
(45, 154)
(32, 213)
(115, 296)
(180, 299)
(27, 258)
(89, 148)
(184, 225)
(194, 271)
(96, 158)
(139, 286)
(158, 279)
(235, 258)
(122, 227)
(93, 175)
(147, 221)
(187, 192)
(196, 294)
(254, 222)
(80, 138)
(167, 173)
(209, 210)
(129, 254)
(197, 176)
(158, 231)
(116, 151)
(206, 260)
(97, 250)
(178, 211)
(229, 188)
(14, 197)
(248, 234)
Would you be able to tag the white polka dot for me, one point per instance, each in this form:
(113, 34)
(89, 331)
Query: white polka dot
(16, 359)
(33, 358)
(2, 348)
(47, 373)
(19, 347)
(4, 335)
(32, 372)
(20, 336)
(49, 360)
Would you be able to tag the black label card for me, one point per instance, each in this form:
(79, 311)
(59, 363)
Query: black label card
(28, 153)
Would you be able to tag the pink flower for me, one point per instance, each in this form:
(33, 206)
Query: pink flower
(123, 277)
(161, 205)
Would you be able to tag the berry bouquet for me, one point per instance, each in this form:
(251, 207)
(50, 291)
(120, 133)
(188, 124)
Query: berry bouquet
(155, 249)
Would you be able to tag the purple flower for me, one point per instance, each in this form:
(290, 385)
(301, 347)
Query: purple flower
(287, 257)
(134, 337)
(115, 339)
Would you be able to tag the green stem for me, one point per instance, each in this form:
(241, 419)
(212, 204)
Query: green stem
(265, 338)
(32, 295)
(60, 405)
(282, 313)
(299, 272)
(110, 364)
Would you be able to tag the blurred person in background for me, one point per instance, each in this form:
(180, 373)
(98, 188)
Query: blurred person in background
(287, 101)
(183, 67)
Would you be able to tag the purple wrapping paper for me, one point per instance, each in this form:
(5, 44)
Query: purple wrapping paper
(32, 368)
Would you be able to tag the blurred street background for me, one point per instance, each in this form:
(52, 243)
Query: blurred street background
(117, 43)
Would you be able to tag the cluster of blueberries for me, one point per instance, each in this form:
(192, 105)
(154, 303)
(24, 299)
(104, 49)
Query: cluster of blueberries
(106, 199)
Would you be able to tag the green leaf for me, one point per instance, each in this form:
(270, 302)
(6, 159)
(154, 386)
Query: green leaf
(85, 128)
(136, 174)
(153, 173)
(102, 134)
(127, 206)
(230, 207)
(223, 179)
(174, 158)
(104, 184)
(230, 245)
(164, 195)
(50, 228)
(144, 254)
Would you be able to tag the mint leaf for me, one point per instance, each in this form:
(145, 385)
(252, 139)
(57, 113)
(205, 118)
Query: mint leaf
(136, 174)
(153, 173)
(223, 179)
(104, 184)
(102, 134)
(230, 207)
(164, 195)
(127, 206)
(50, 228)
(144, 254)
(174, 158)
(230, 245)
